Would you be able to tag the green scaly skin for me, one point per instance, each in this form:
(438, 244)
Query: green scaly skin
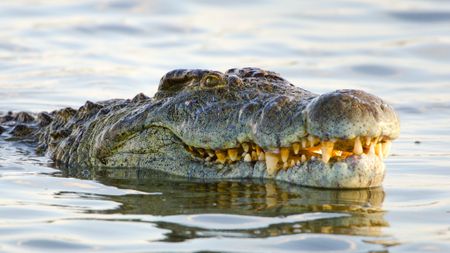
(210, 110)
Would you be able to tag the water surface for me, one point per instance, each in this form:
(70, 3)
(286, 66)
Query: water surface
(62, 53)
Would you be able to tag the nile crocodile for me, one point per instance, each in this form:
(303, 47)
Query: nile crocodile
(244, 123)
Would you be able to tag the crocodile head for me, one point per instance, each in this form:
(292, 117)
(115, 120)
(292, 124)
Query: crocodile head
(252, 123)
(244, 123)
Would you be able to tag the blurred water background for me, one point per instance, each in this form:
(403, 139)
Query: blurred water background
(56, 53)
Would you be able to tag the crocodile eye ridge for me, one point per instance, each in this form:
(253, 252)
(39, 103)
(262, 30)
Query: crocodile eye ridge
(212, 80)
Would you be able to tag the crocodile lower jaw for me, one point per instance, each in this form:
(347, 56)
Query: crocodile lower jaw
(307, 149)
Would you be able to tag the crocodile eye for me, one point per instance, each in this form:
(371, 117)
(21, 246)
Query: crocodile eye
(212, 81)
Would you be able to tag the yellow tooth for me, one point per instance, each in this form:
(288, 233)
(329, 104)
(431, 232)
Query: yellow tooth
(245, 147)
(311, 140)
(261, 156)
(379, 150)
(201, 151)
(254, 155)
(304, 143)
(284, 154)
(285, 165)
(272, 163)
(368, 140)
(358, 149)
(258, 150)
(386, 148)
(210, 152)
(327, 150)
(372, 149)
(233, 154)
(296, 148)
(292, 163)
(221, 157)
(248, 158)
(208, 159)
(303, 159)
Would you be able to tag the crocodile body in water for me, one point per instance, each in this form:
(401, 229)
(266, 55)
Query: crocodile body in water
(244, 123)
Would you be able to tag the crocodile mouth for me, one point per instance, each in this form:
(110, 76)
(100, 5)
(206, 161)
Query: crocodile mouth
(308, 148)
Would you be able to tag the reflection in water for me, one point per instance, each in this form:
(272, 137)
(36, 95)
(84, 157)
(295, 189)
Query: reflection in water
(363, 208)
(61, 53)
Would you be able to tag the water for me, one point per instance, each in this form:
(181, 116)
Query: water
(61, 53)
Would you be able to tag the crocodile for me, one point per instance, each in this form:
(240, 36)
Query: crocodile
(239, 124)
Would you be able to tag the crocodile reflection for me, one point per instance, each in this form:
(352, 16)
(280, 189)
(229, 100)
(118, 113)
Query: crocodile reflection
(256, 198)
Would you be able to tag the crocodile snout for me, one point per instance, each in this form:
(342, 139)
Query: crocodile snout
(346, 114)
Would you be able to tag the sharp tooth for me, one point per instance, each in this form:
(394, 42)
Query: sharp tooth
(233, 154)
(358, 149)
(261, 156)
(296, 148)
(311, 140)
(201, 151)
(386, 148)
(254, 155)
(379, 150)
(297, 162)
(292, 163)
(327, 150)
(372, 149)
(245, 147)
(272, 163)
(368, 140)
(208, 159)
(303, 159)
(247, 158)
(304, 143)
(221, 157)
(285, 165)
(258, 150)
(284, 154)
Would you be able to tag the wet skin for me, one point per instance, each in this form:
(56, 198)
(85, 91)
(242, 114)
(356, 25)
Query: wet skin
(244, 123)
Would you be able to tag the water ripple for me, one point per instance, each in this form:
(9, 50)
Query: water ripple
(422, 16)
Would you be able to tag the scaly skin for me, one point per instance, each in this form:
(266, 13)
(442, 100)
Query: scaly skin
(244, 123)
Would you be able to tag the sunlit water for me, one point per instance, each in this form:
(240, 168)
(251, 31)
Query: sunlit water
(61, 53)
